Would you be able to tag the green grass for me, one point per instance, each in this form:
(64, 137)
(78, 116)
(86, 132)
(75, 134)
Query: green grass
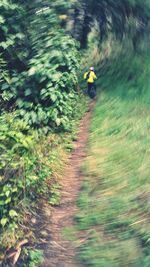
(114, 205)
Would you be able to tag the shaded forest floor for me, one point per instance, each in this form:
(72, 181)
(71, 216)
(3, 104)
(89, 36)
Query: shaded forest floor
(57, 250)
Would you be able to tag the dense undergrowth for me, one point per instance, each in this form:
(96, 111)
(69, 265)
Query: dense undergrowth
(115, 198)
(40, 110)
(31, 165)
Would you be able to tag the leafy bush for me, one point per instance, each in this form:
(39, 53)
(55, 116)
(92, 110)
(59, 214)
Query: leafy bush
(44, 89)
(31, 163)
(15, 148)
(23, 169)
(45, 95)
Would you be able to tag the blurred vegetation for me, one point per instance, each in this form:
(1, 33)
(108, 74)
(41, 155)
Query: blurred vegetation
(120, 18)
(113, 216)
(40, 64)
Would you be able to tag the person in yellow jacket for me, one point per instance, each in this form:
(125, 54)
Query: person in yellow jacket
(90, 77)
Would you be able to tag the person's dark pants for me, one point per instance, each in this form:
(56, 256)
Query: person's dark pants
(91, 90)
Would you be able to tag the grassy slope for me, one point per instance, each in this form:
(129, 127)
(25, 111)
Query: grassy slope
(114, 202)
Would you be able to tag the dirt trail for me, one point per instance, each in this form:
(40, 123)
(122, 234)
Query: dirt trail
(59, 252)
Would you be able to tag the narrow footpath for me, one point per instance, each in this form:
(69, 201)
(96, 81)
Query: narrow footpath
(60, 252)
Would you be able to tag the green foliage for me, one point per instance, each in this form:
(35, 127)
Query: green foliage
(3, 71)
(15, 148)
(36, 257)
(134, 74)
(30, 164)
(39, 66)
(114, 202)
(18, 176)
(38, 79)
(42, 65)
(51, 99)
(55, 195)
(12, 38)
(120, 18)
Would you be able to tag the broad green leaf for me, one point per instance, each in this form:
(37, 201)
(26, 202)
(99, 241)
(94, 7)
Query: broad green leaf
(13, 213)
(53, 97)
(4, 221)
(32, 71)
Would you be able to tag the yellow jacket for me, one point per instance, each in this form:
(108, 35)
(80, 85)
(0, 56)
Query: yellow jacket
(92, 76)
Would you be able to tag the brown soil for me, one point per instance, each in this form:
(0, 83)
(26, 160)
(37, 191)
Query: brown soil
(60, 252)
